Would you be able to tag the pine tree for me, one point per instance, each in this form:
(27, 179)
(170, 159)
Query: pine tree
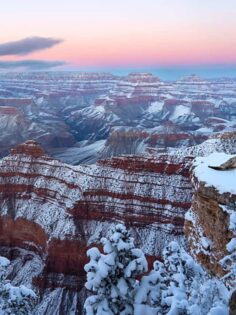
(165, 290)
(14, 300)
(179, 267)
(178, 286)
(148, 296)
(112, 275)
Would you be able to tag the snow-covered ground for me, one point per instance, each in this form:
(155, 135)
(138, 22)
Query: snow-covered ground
(224, 181)
(77, 155)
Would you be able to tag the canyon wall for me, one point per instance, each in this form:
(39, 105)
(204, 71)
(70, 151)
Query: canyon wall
(51, 213)
(207, 224)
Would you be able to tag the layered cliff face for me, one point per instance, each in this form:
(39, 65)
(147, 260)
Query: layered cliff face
(77, 111)
(208, 225)
(21, 119)
(11, 121)
(51, 212)
(43, 102)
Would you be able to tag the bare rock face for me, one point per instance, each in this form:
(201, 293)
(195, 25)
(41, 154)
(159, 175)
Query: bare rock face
(51, 212)
(30, 148)
(207, 223)
(12, 126)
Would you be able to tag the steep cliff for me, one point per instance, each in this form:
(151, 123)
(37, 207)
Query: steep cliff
(51, 212)
(208, 223)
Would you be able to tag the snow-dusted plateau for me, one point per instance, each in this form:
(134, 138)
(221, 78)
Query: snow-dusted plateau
(82, 152)
(83, 117)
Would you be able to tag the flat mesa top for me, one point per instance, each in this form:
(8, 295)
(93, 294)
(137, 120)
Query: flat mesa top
(223, 180)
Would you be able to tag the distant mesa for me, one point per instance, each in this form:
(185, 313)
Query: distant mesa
(142, 77)
(193, 78)
(30, 148)
(7, 110)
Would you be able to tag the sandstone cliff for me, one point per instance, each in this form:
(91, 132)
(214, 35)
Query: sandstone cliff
(51, 212)
(208, 223)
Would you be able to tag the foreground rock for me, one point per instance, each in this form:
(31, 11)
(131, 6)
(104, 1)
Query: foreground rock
(208, 222)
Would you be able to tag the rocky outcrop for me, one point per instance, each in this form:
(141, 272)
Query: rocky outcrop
(52, 212)
(207, 223)
(136, 141)
(224, 142)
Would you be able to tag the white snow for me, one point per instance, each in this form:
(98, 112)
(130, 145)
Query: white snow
(232, 223)
(206, 243)
(231, 246)
(99, 109)
(219, 310)
(4, 262)
(83, 154)
(228, 262)
(204, 130)
(155, 107)
(112, 276)
(180, 110)
(223, 181)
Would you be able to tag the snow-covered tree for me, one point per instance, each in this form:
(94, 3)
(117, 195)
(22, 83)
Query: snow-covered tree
(179, 286)
(14, 300)
(112, 275)
(176, 286)
(148, 298)
(208, 296)
(181, 270)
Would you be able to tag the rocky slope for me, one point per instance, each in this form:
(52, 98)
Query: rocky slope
(208, 222)
(51, 212)
(222, 142)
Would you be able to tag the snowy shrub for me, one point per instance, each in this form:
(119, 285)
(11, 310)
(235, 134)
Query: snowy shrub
(14, 300)
(208, 296)
(179, 286)
(148, 298)
(176, 286)
(181, 270)
(112, 275)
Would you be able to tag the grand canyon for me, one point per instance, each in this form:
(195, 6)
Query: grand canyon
(118, 157)
(81, 152)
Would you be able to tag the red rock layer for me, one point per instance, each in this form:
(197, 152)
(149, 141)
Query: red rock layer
(30, 148)
(165, 164)
(53, 209)
(22, 233)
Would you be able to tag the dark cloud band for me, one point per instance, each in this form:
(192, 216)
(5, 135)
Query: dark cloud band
(30, 64)
(27, 45)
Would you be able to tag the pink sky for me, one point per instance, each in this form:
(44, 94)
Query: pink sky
(125, 32)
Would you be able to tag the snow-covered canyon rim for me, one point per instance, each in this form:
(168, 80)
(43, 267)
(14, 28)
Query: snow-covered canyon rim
(225, 180)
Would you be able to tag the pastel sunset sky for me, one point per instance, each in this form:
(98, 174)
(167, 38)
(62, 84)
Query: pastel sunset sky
(125, 34)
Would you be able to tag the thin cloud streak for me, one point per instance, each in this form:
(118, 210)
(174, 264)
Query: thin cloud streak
(30, 64)
(28, 45)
